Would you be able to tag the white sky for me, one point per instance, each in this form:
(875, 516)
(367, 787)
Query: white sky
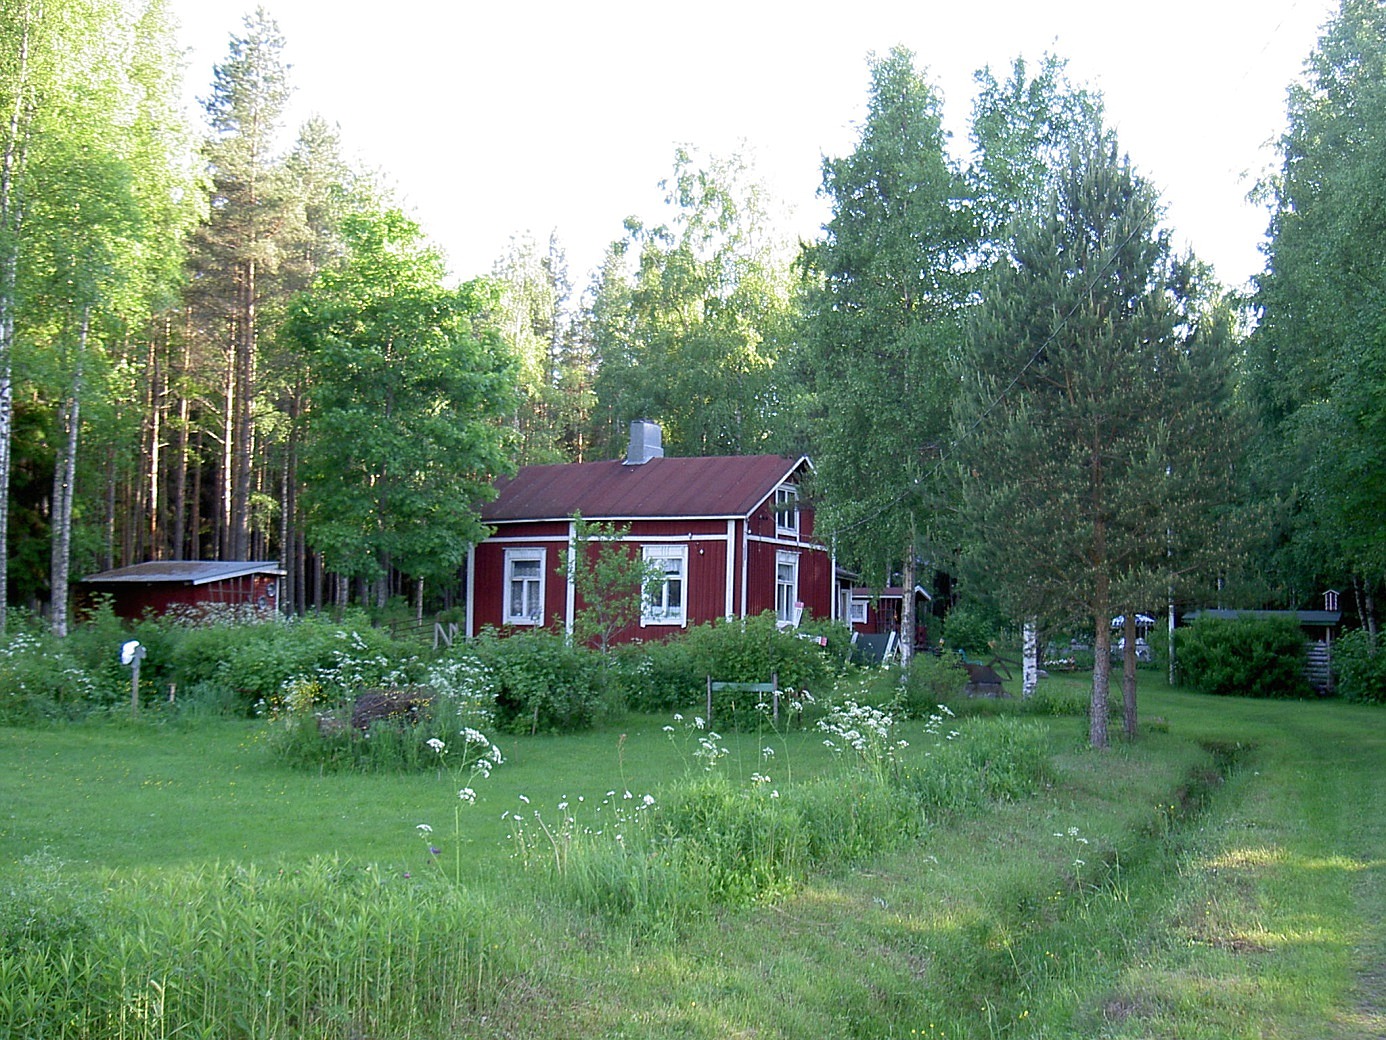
(499, 118)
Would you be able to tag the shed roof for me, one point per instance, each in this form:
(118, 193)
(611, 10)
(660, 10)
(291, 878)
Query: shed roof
(706, 486)
(1304, 617)
(183, 572)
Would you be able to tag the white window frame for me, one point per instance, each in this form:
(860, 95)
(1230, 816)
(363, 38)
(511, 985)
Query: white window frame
(655, 609)
(786, 592)
(856, 612)
(539, 583)
(787, 509)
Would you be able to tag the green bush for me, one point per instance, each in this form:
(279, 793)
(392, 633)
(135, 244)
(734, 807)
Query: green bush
(1252, 657)
(930, 682)
(1361, 668)
(543, 684)
(41, 680)
(254, 659)
(970, 630)
(675, 673)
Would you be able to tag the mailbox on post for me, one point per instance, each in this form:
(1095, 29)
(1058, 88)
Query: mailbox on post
(131, 654)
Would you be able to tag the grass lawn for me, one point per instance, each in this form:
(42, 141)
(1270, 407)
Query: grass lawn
(131, 798)
(1221, 878)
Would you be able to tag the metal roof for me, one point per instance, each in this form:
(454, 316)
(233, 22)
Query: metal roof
(185, 572)
(1304, 617)
(707, 486)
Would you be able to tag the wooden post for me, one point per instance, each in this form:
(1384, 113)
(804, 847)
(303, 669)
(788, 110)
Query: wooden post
(132, 653)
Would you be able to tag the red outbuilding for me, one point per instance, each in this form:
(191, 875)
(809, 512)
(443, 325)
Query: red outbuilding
(160, 586)
(731, 535)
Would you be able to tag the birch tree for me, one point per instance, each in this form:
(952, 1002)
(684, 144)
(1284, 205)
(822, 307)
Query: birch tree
(691, 315)
(883, 310)
(1317, 367)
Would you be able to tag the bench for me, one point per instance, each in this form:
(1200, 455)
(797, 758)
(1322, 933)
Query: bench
(772, 688)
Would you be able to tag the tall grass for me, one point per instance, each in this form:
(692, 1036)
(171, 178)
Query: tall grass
(710, 841)
(326, 950)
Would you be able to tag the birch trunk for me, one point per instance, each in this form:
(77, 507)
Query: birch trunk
(907, 606)
(10, 221)
(64, 475)
(1030, 660)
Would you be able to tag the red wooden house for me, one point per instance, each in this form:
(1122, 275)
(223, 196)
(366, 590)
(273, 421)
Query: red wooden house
(730, 533)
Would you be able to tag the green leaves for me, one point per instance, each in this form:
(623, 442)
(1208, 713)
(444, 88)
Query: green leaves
(690, 334)
(401, 435)
(1318, 368)
(882, 314)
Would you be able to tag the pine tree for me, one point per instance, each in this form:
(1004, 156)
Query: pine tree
(1082, 415)
(236, 265)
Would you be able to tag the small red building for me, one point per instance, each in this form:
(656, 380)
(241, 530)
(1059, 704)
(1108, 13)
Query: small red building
(157, 587)
(878, 611)
(730, 533)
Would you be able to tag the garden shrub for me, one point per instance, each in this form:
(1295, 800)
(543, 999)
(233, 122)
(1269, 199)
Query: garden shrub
(41, 680)
(970, 630)
(1253, 657)
(1361, 668)
(728, 650)
(255, 658)
(930, 681)
(432, 733)
(542, 683)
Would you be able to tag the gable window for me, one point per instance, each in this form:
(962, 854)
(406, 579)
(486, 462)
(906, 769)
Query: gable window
(787, 588)
(524, 586)
(664, 602)
(787, 509)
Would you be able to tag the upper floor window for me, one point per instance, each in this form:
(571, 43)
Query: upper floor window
(665, 595)
(524, 585)
(787, 509)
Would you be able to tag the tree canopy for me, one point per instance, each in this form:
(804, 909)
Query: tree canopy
(401, 434)
(1317, 369)
(882, 312)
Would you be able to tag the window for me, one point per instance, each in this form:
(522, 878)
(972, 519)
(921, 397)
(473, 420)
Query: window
(787, 588)
(524, 583)
(857, 612)
(664, 595)
(787, 509)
